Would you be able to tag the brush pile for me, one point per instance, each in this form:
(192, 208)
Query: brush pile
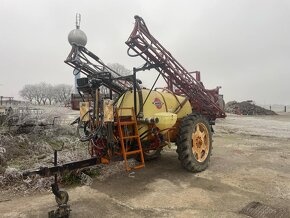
(246, 108)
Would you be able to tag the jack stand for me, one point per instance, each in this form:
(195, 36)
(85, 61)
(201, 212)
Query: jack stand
(61, 198)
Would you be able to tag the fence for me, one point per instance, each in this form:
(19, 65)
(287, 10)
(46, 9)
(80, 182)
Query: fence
(277, 108)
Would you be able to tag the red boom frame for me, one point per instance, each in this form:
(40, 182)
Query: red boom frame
(178, 79)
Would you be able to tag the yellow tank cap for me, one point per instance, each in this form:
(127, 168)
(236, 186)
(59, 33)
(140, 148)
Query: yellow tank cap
(166, 120)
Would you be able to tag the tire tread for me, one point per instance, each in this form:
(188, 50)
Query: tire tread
(184, 144)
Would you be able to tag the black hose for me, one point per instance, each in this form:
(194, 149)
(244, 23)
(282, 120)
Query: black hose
(141, 108)
(137, 54)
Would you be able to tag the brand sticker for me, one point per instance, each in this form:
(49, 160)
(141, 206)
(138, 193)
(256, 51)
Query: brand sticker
(158, 103)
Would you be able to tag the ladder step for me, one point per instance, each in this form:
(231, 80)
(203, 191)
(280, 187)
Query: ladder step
(136, 167)
(133, 152)
(139, 166)
(129, 120)
(127, 123)
(131, 137)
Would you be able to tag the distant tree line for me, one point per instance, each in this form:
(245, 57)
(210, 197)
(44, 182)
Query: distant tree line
(44, 93)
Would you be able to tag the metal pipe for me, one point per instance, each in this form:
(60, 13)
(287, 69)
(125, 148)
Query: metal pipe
(55, 175)
(150, 91)
(150, 120)
(110, 86)
(48, 171)
(134, 89)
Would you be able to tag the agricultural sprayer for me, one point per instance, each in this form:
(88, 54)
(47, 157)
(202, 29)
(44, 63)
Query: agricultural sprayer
(139, 122)
(119, 118)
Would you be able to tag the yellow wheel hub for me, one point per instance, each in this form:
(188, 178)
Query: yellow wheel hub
(200, 142)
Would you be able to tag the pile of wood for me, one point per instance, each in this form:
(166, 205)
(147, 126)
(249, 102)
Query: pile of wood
(246, 108)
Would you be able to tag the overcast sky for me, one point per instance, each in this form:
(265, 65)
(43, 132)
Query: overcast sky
(244, 45)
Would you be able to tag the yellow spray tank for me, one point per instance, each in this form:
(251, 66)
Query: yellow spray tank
(162, 106)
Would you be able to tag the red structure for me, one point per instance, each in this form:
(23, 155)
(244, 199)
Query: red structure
(178, 79)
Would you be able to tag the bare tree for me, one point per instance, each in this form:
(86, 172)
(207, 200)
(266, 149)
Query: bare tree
(50, 93)
(38, 94)
(28, 92)
(63, 93)
(42, 93)
(120, 69)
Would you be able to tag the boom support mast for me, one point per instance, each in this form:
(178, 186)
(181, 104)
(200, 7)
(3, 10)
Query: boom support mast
(175, 75)
(92, 66)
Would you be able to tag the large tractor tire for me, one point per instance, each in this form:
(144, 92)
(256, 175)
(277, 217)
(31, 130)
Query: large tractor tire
(194, 143)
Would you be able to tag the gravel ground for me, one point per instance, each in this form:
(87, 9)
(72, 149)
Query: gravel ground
(250, 162)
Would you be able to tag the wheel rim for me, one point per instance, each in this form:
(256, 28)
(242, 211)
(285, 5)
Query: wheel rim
(200, 142)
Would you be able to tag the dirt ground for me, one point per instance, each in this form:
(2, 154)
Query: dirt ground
(250, 162)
